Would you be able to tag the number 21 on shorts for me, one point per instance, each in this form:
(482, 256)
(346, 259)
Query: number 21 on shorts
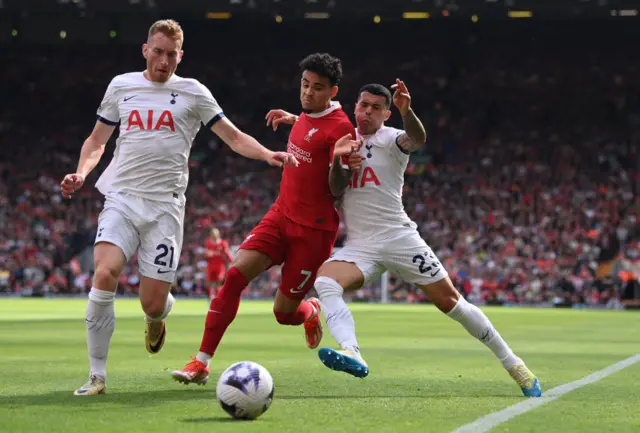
(164, 251)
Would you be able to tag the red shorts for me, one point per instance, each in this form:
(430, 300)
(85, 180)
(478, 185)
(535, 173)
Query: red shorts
(302, 250)
(216, 272)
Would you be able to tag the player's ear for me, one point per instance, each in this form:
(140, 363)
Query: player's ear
(145, 50)
(387, 114)
(334, 91)
(180, 54)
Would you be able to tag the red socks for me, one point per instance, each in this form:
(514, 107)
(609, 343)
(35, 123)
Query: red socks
(224, 307)
(223, 310)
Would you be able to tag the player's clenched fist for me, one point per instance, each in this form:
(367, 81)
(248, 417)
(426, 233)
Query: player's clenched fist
(281, 159)
(70, 184)
(277, 117)
(346, 146)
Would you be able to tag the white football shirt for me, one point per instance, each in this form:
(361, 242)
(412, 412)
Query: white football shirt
(372, 204)
(158, 123)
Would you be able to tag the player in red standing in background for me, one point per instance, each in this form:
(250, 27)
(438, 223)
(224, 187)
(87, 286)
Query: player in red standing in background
(301, 227)
(218, 257)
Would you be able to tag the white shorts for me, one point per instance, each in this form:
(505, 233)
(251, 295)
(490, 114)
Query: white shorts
(154, 228)
(408, 256)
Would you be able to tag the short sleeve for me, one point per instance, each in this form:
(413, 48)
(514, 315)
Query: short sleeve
(108, 111)
(393, 135)
(207, 107)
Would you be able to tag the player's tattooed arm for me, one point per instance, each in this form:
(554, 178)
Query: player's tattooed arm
(339, 177)
(414, 136)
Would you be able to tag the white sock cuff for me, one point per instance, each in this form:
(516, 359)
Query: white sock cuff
(459, 309)
(167, 309)
(326, 286)
(101, 297)
(169, 305)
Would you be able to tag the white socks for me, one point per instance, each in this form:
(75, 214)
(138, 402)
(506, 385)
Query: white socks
(101, 322)
(338, 316)
(478, 325)
(205, 358)
(343, 328)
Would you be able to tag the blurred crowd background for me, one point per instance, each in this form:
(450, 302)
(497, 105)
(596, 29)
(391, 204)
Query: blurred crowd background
(527, 189)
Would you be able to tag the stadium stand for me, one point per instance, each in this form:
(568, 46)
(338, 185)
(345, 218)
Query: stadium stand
(527, 189)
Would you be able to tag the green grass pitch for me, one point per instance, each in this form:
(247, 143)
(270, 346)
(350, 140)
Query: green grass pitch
(427, 374)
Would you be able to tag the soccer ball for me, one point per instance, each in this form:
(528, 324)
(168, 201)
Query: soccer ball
(245, 390)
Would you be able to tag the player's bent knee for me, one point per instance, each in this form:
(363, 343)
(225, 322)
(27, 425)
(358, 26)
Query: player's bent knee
(346, 274)
(328, 287)
(106, 278)
(153, 307)
(286, 302)
(159, 309)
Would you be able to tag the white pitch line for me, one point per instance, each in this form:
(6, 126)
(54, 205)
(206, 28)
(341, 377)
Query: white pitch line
(487, 422)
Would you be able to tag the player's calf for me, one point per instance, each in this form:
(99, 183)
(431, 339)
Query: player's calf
(443, 294)
(155, 298)
(338, 316)
(448, 300)
(156, 328)
(306, 313)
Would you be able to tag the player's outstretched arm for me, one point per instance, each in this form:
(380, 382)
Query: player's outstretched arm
(277, 117)
(414, 136)
(248, 146)
(90, 155)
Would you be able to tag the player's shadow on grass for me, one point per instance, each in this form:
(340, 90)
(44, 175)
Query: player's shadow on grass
(146, 398)
(132, 398)
(212, 419)
(423, 394)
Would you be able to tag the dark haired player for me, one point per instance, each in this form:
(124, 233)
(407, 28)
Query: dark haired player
(300, 228)
(381, 236)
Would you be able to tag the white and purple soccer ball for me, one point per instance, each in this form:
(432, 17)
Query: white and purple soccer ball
(245, 390)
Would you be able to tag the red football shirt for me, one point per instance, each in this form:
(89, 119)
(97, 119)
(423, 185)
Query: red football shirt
(305, 196)
(218, 253)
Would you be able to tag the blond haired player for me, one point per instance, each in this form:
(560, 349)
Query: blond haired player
(159, 114)
(381, 236)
